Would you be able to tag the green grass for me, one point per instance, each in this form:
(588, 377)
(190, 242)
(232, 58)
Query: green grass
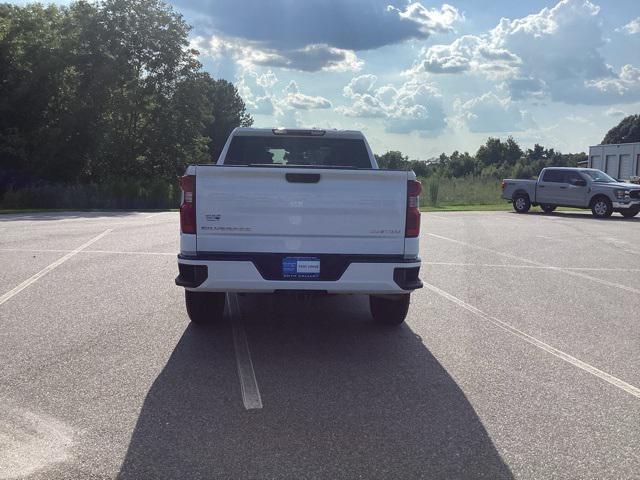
(491, 207)
(506, 206)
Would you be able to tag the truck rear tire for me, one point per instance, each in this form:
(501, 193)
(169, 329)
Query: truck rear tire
(547, 208)
(601, 207)
(389, 311)
(629, 212)
(205, 308)
(521, 203)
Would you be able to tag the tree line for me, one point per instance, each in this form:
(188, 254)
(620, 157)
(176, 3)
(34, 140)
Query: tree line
(103, 104)
(498, 159)
(99, 92)
(495, 159)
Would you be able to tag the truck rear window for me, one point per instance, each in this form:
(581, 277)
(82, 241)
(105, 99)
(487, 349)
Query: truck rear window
(297, 151)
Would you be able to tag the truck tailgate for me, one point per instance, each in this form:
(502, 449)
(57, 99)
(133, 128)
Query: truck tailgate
(286, 210)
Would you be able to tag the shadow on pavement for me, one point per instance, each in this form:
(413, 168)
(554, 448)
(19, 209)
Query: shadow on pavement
(343, 398)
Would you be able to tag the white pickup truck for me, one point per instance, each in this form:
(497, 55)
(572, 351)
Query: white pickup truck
(298, 211)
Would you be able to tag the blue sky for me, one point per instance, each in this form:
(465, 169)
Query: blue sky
(425, 77)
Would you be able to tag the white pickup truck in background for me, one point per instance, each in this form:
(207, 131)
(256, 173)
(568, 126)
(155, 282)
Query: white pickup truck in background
(298, 211)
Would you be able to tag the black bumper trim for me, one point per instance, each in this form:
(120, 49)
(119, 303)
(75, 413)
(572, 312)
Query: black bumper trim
(407, 278)
(269, 265)
(191, 276)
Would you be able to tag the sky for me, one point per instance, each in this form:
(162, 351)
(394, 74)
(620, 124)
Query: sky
(426, 77)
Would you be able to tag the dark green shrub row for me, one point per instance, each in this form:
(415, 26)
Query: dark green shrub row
(120, 194)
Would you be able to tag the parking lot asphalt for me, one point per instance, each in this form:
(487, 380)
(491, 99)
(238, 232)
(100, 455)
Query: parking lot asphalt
(519, 359)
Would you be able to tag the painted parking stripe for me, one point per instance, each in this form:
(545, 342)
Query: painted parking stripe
(622, 385)
(44, 271)
(533, 267)
(248, 383)
(157, 214)
(115, 252)
(538, 264)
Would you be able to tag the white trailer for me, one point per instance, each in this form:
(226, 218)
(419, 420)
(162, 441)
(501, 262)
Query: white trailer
(620, 160)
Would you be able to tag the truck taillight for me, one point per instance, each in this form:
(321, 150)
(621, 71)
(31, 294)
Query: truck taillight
(188, 205)
(503, 185)
(412, 226)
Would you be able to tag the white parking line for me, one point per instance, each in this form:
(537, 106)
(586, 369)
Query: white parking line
(44, 271)
(156, 214)
(538, 264)
(118, 252)
(248, 383)
(534, 267)
(635, 391)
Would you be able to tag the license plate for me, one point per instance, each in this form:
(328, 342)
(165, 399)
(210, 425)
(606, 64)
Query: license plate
(300, 267)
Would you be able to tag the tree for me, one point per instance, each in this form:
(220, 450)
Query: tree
(104, 91)
(393, 160)
(229, 112)
(627, 131)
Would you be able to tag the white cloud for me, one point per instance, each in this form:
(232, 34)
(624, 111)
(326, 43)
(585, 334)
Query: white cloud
(267, 80)
(429, 20)
(291, 88)
(259, 94)
(632, 28)
(353, 25)
(288, 118)
(415, 106)
(387, 94)
(365, 106)
(490, 114)
(359, 85)
(255, 91)
(248, 54)
(295, 99)
(577, 119)
(615, 112)
(626, 83)
(467, 53)
(555, 54)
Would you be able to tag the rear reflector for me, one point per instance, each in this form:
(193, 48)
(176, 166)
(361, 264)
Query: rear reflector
(412, 225)
(188, 205)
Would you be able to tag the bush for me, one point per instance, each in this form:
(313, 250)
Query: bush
(116, 194)
(433, 191)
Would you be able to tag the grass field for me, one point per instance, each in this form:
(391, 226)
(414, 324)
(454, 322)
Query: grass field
(469, 207)
(442, 191)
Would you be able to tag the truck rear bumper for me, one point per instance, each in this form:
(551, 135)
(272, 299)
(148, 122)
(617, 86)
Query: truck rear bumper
(343, 274)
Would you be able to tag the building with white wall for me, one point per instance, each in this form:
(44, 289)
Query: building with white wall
(620, 160)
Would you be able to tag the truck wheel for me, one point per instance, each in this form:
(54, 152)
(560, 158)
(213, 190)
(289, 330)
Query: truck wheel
(547, 208)
(389, 311)
(521, 203)
(629, 212)
(205, 308)
(601, 207)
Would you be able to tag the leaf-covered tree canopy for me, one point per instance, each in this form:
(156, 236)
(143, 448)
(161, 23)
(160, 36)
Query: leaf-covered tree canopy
(495, 159)
(96, 91)
(627, 131)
